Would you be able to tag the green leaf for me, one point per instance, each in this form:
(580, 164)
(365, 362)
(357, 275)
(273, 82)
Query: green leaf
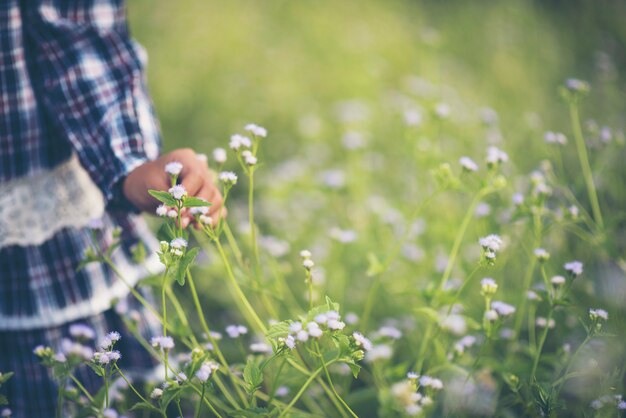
(163, 197)
(5, 376)
(165, 232)
(280, 329)
(144, 406)
(139, 252)
(375, 267)
(194, 202)
(184, 263)
(354, 368)
(253, 376)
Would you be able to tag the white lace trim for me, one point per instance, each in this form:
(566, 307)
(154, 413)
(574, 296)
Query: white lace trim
(34, 208)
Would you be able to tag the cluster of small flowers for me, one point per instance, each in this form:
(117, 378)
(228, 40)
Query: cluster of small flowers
(539, 186)
(614, 400)
(178, 191)
(407, 395)
(228, 178)
(542, 254)
(575, 268)
(206, 370)
(542, 322)
(307, 263)
(468, 164)
(173, 168)
(499, 310)
(163, 343)
(488, 287)
(239, 141)
(299, 331)
(464, 343)
(597, 314)
(491, 244)
(496, 156)
(106, 354)
(74, 350)
(175, 247)
(235, 331)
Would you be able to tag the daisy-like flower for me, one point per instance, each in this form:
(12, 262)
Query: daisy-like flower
(468, 164)
(228, 178)
(256, 130)
(362, 341)
(164, 343)
(178, 191)
(574, 267)
(219, 155)
(173, 168)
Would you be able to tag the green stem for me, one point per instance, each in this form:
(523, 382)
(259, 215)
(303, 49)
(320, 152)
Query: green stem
(60, 399)
(106, 389)
(542, 341)
(180, 411)
(330, 382)
(130, 385)
(563, 379)
(311, 378)
(205, 328)
(201, 400)
(529, 274)
(164, 310)
(584, 162)
(253, 318)
(253, 240)
(82, 388)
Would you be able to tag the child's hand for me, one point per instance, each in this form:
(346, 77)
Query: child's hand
(195, 176)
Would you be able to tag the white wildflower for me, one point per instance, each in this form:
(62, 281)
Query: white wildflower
(173, 168)
(228, 178)
(219, 155)
(165, 343)
(503, 309)
(468, 164)
(156, 393)
(256, 130)
(557, 280)
(234, 331)
(82, 331)
(178, 191)
(488, 286)
(596, 314)
(574, 267)
(162, 210)
(362, 341)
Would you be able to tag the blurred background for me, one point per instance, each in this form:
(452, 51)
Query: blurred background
(363, 98)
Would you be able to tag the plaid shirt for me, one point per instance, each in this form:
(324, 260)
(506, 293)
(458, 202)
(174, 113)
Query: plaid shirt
(71, 82)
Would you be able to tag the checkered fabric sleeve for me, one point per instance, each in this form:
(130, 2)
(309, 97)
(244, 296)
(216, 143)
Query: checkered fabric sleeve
(89, 77)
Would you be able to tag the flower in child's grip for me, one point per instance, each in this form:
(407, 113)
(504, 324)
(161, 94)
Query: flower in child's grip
(178, 191)
(488, 287)
(219, 155)
(468, 164)
(173, 168)
(256, 130)
(228, 178)
(164, 343)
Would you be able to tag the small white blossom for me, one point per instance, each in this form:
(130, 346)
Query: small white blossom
(557, 280)
(178, 243)
(234, 331)
(199, 210)
(517, 199)
(595, 314)
(305, 254)
(156, 393)
(237, 141)
(314, 329)
(542, 254)
(379, 352)
(431, 382)
(491, 242)
(178, 191)
(503, 309)
(109, 413)
(389, 331)
(165, 343)
(219, 155)
(542, 322)
(574, 267)
(491, 315)
(308, 264)
(228, 178)
(468, 164)
(290, 342)
(172, 213)
(335, 324)
(82, 331)
(496, 156)
(162, 210)
(362, 341)
(412, 376)
(173, 168)
(256, 130)
(488, 286)
(555, 138)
